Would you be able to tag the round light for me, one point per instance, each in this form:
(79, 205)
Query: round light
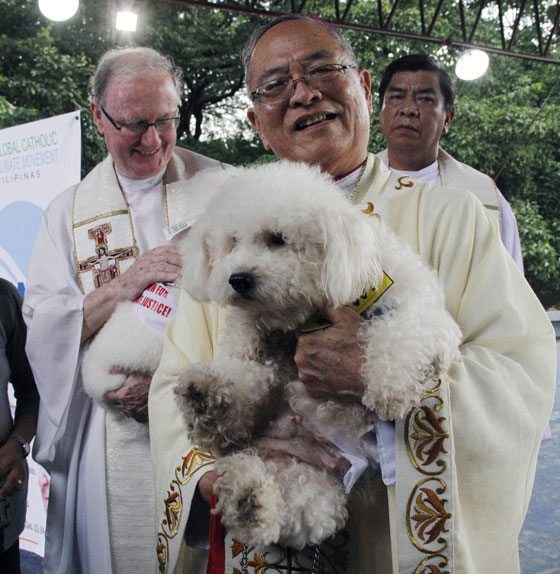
(59, 10)
(472, 64)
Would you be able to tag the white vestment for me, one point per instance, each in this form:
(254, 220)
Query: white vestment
(453, 173)
(465, 474)
(71, 434)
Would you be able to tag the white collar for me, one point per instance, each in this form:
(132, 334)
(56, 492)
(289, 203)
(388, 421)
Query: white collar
(348, 183)
(430, 173)
(134, 186)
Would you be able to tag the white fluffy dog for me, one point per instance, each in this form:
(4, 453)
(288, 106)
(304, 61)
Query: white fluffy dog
(277, 244)
(131, 341)
(124, 343)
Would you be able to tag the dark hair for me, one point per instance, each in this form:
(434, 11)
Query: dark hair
(413, 63)
(247, 52)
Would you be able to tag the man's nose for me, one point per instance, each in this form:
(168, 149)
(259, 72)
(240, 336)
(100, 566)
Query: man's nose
(304, 94)
(151, 136)
(408, 107)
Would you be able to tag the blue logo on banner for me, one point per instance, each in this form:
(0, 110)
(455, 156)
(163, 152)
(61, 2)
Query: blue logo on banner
(19, 225)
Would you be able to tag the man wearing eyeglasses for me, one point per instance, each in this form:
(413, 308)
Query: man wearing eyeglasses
(447, 486)
(103, 242)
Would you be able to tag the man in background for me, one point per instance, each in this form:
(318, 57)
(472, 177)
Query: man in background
(416, 103)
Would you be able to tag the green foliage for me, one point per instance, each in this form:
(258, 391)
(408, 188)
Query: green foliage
(234, 150)
(507, 126)
(206, 46)
(507, 122)
(38, 79)
(540, 240)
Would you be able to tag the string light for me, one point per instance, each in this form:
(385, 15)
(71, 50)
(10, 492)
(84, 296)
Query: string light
(472, 65)
(58, 10)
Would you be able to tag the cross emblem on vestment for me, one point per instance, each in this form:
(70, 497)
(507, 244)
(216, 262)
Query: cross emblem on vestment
(105, 264)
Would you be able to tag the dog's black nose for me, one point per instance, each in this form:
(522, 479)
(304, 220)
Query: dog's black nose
(242, 282)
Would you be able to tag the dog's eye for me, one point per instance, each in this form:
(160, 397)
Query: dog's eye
(276, 239)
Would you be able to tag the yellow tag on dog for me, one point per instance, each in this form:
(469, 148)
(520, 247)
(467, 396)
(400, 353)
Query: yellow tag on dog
(361, 304)
(370, 296)
(314, 323)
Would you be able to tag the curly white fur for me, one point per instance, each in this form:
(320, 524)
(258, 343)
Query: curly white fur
(123, 342)
(276, 244)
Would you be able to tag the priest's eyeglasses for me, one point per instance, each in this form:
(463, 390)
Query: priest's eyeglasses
(140, 128)
(318, 77)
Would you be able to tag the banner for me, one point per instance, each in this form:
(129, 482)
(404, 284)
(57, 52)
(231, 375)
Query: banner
(38, 160)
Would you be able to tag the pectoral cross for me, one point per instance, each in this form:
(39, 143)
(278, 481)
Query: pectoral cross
(105, 264)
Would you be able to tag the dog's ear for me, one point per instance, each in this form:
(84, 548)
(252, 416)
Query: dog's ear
(352, 259)
(201, 196)
(195, 251)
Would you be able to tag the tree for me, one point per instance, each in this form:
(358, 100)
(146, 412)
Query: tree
(507, 126)
(212, 74)
(507, 122)
(37, 78)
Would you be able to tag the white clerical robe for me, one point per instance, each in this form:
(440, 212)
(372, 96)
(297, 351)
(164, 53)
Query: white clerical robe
(473, 496)
(453, 173)
(70, 440)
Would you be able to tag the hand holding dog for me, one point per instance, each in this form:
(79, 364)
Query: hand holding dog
(287, 436)
(132, 397)
(329, 361)
(161, 264)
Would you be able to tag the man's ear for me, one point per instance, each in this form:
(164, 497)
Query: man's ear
(254, 121)
(449, 117)
(97, 116)
(365, 81)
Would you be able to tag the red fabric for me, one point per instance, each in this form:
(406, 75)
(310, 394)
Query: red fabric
(217, 535)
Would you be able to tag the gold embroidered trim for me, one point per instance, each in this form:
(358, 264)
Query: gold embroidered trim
(402, 183)
(428, 519)
(433, 565)
(191, 463)
(97, 217)
(427, 516)
(334, 557)
(425, 433)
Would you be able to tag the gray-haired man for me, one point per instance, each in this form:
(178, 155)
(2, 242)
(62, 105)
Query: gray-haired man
(102, 242)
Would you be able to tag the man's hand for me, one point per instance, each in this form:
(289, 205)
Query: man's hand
(287, 436)
(159, 265)
(12, 471)
(206, 485)
(132, 397)
(162, 264)
(329, 361)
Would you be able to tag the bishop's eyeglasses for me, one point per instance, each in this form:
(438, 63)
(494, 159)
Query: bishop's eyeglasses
(140, 128)
(318, 77)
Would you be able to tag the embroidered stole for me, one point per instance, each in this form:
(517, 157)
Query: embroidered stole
(454, 174)
(423, 440)
(102, 229)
